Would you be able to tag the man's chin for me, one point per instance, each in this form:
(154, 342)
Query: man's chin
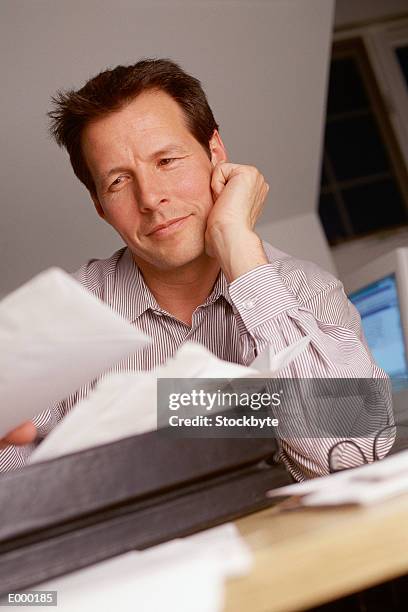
(172, 260)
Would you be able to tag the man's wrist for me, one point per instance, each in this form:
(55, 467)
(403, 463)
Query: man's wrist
(237, 251)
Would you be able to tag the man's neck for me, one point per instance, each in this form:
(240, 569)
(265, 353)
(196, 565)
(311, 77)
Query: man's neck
(182, 290)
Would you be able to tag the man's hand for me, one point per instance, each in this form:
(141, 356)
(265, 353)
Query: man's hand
(239, 194)
(24, 434)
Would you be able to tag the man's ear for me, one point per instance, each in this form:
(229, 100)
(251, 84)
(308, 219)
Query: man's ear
(217, 149)
(97, 205)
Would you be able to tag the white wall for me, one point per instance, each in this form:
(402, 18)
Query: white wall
(305, 235)
(263, 65)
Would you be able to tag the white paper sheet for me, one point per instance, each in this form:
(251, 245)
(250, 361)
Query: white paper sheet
(55, 337)
(178, 576)
(364, 485)
(125, 404)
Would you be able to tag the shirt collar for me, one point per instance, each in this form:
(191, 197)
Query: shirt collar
(131, 296)
(220, 289)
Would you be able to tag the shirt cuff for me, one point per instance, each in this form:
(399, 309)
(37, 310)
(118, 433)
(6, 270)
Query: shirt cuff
(260, 295)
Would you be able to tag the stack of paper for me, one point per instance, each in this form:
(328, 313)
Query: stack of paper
(364, 485)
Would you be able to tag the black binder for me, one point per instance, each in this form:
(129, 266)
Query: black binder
(67, 513)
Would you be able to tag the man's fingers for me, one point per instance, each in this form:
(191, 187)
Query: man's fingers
(218, 180)
(24, 434)
(220, 176)
(224, 171)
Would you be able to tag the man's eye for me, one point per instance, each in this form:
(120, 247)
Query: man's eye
(166, 161)
(116, 181)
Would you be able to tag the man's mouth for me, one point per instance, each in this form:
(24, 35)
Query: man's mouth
(168, 227)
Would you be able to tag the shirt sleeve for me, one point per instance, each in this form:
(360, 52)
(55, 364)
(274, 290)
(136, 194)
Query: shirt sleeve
(275, 312)
(13, 457)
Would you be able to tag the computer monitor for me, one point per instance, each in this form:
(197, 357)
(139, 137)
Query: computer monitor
(379, 290)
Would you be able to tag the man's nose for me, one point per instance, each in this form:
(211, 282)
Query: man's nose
(150, 191)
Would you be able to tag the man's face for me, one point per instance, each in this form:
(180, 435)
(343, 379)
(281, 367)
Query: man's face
(152, 179)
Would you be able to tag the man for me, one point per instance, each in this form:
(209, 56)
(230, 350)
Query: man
(144, 142)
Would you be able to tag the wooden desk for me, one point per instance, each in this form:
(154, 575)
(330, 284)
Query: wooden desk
(303, 558)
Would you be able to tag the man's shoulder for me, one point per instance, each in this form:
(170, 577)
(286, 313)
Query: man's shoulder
(95, 273)
(303, 278)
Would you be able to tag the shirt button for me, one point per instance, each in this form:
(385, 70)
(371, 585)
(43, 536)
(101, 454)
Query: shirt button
(248, 304)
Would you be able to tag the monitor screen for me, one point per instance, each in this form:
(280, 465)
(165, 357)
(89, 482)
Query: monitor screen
(379, 309)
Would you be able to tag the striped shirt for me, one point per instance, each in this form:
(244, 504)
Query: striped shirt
(275, 304)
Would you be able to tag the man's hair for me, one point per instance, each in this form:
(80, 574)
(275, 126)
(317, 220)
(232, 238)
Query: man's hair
(111, 90)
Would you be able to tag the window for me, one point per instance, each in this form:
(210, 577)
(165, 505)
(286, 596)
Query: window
(364, 179)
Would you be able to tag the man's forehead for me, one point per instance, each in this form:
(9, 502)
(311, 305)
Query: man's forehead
(143, 127)
(148, 113)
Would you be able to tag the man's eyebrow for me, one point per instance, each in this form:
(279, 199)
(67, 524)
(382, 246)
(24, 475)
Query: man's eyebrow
(168, 150)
